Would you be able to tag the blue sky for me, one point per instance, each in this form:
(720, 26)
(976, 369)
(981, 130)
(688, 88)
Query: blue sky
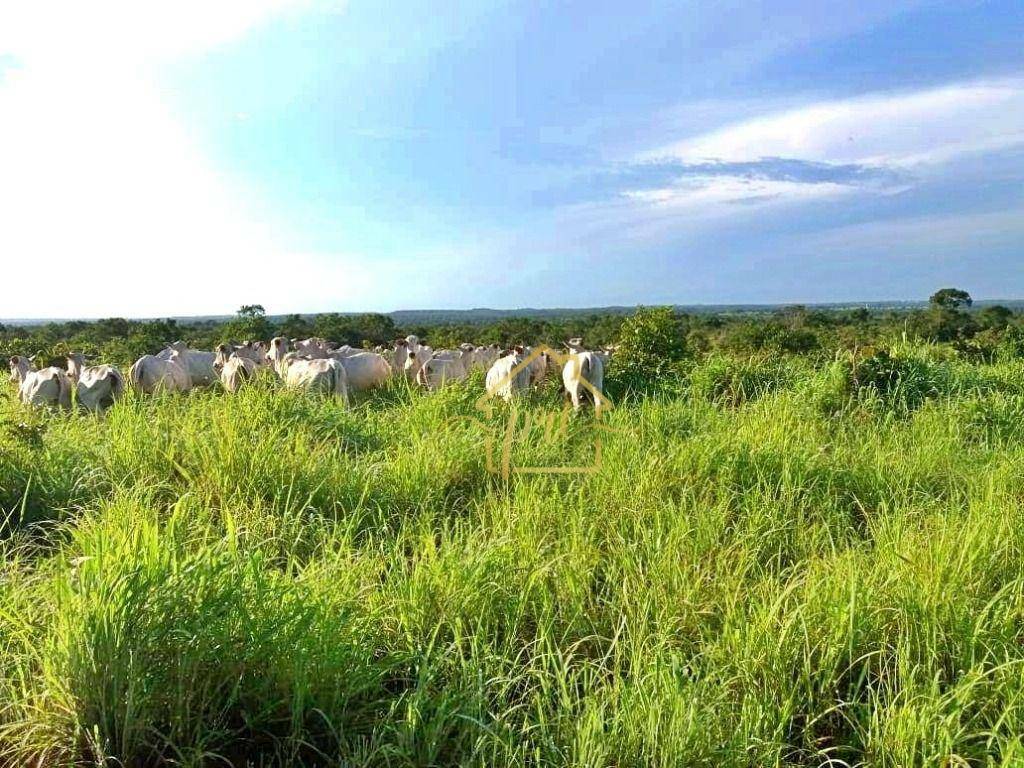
(334, 155)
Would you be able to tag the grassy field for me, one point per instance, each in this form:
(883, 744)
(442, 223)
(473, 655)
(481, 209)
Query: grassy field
(770, 569)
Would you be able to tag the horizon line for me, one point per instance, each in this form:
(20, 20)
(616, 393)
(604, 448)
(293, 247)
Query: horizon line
(876, 303)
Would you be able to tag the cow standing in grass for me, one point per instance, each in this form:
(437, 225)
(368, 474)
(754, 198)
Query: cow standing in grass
(508, 375)
(583, 368)
(323, 375)
(50, 386)
(97, 386)
(233, 369)
(314, 348)
(365, 370)
(151, 374)
(414, 360)
(199, 364)
(443, 366)
(277, 353)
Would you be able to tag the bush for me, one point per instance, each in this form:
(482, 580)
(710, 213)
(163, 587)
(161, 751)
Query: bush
(650, 350)
(732, 382)
(1011, 346)
(901, 381)
(751, 337)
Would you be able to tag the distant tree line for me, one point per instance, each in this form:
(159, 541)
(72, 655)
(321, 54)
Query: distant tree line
(986, 334)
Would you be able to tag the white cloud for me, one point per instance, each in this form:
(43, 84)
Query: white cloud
(703, 191)
(924, 126)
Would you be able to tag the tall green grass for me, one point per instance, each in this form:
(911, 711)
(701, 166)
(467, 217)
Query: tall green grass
(779, 564)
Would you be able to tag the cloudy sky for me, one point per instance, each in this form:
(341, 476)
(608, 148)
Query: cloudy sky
(313, 155)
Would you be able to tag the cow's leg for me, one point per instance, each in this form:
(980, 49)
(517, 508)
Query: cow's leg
(576, 397)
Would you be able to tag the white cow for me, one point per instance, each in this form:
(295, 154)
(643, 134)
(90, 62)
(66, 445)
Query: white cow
(150, 374)
(414, 361)
(50, 386)
(538, 366)
(276, 355)
(364, 370)
(198, 363)
(98, 386)
(583, 366)
(507, 375)
(443, 366)
(484, 357)
(251, 350)
(236, 371)
(321, 375)
(399, 355)
(314, 348)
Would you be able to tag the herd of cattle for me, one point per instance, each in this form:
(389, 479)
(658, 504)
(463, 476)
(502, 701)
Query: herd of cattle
(310, 364)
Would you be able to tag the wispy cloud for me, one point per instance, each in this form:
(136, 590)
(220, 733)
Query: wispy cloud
(897, 129)
(726, 182)
(880, 144)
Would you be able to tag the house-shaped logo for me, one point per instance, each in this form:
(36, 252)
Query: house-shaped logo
(502, 437)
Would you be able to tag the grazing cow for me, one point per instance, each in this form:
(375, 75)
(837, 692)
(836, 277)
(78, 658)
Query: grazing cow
(414, 361)
(399, 355)
(277, 353)
(199, 364)
(314, 348)
(250, 350)
(504, 380)
(97, 386)
(538, 367)
(75, 365)
(150, 374)
(222, 354)
(321, 375)
(50, 386)
(484, 357)
(236, 371)
(364, 370)
(444, 365)
(583, 366)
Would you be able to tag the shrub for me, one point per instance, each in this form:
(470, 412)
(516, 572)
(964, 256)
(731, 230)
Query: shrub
(650, 350)
(900, 381)
(753, 337)
(1011, 347)
(732, 381)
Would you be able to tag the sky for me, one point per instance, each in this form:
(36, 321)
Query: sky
(346, 155)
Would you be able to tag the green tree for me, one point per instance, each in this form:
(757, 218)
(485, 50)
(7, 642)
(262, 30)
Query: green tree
(946, 319)
(650, 347)
(249, 323)
(995, 317)
(951, 298)
(295, 327)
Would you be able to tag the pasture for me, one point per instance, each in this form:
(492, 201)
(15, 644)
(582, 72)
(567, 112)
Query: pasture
(771, 568)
